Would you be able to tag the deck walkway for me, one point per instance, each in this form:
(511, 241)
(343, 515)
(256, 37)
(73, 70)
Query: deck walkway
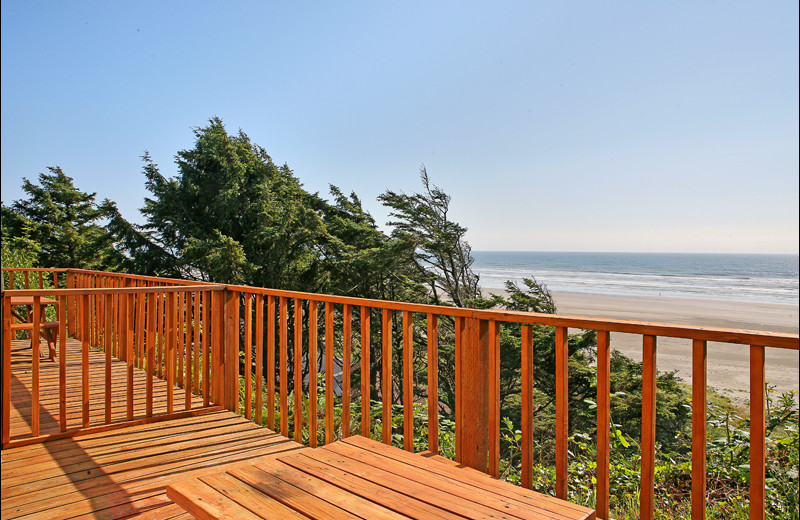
(118, 473)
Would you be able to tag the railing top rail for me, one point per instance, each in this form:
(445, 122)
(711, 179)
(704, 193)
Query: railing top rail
(674, 330)
(140, 277)
(38, 269)
(112, 290)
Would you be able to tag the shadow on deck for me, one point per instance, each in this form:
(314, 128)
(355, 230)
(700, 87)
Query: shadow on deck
(118, 473)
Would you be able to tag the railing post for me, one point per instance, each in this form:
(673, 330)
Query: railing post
(6, 375)
(472, 419)
(231, 350)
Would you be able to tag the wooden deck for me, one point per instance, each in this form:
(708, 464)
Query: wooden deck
(21, 386)
(117, 473)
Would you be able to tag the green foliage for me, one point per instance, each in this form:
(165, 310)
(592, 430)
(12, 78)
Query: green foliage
(59, 224)
(443, 256)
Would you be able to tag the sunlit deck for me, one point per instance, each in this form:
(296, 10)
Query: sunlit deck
(116, 473)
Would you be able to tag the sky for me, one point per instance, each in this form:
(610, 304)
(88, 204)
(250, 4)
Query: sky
(554, 126)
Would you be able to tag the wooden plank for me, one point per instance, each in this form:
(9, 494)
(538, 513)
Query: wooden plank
(494, 398)
(248, 356)
(196, 344)
(408, 381)
(646, 492)
(312, 373)
(205, 301)
(459, 352)
(151, 349)
(438, 491)
(254, 500)
(206, 503)
(259, 359)
(85, 337)
(699, 371)
(180, 342)
(127, 346)
(6, 390)
(330, 434)
(482, 483)
(526, 443)
(303, 495)
(562, 413)
(270, 362)
(757, 432)
(347, 339)
(35, 343)
(297, 353)
(385, 497)
(433, 383)
(603, 423)
(386, 376)
(282, 367)
(366, 404)
(474, 413)
(171, 309)
(230, 377)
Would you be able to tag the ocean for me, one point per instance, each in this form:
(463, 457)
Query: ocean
(739, 277)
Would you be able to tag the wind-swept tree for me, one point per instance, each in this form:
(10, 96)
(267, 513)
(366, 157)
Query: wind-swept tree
(443, 255)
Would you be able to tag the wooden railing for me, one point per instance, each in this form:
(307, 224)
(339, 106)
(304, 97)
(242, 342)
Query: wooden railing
(266, 323)
(160, 328)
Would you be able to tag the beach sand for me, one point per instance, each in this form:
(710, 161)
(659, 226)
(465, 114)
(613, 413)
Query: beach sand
(728, 364)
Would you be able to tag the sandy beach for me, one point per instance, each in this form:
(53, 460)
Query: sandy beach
(728, 364)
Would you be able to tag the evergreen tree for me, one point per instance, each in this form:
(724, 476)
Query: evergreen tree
(63, 221)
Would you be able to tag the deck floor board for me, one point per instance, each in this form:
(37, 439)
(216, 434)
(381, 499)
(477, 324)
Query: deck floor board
(120, 473)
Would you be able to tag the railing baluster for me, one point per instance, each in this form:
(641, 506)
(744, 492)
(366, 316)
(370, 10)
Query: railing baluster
(196, 343)
(757, 432)
(259, 359)
(366, 404)
(35, 366)
(171, 322)
(603, 421)
(248, 356)
(283, 370)
(494, 399)
(329, 429)
(127, 345)
(562, 415)
(62, 363)
(526, 446)
(433, 383)
(270, 362)
(297, 351)
(180, 340)
(347, 339)
(312, 373)
(386, 377)
(699, 363)
(150, 339)
(408, 382)
(459, 349)
(107, 346)
(86, 335)
(647, 499)
(206, 343)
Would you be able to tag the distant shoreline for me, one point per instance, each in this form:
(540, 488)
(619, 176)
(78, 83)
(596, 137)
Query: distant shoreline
(728, 364)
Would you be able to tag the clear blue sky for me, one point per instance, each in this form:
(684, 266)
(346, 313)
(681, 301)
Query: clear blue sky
(637, 126)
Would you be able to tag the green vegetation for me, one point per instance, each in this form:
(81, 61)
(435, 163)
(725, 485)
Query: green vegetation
(232, 215)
